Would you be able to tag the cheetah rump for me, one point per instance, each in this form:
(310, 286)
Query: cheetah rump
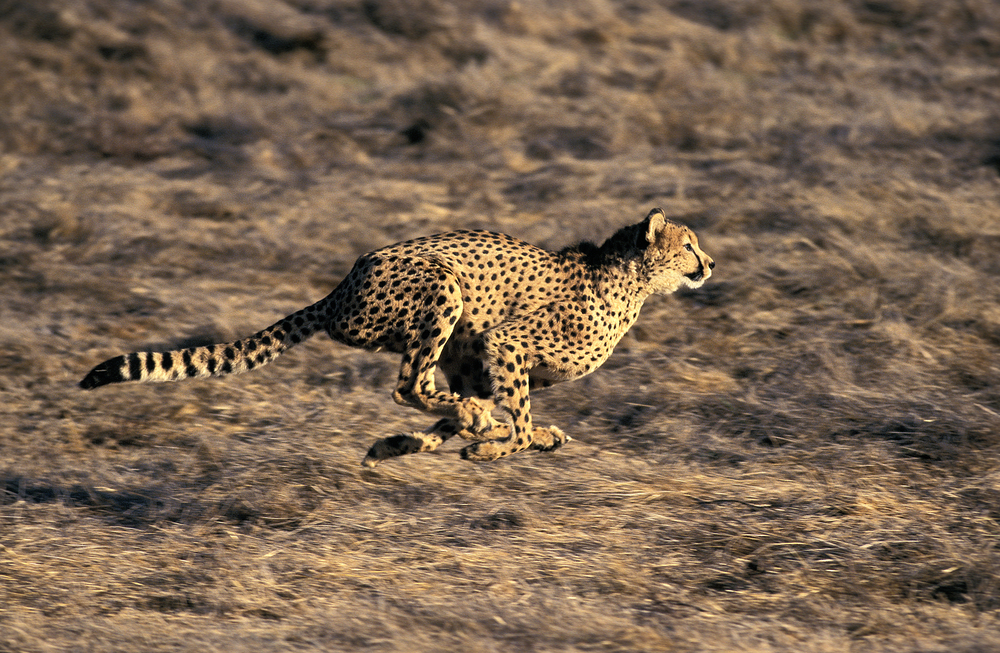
(497, 315)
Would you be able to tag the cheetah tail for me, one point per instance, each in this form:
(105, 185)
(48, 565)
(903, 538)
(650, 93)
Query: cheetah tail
(212, 360)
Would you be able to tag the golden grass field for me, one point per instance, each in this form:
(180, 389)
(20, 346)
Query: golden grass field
(801, 456)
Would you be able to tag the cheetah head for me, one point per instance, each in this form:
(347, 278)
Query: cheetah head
(672, 257)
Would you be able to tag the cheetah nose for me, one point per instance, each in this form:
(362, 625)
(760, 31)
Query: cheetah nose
(711, 265)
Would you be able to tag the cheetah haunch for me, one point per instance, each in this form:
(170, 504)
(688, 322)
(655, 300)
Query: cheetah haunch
(497, 315)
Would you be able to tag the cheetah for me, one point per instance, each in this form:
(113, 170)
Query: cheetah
(497, 315)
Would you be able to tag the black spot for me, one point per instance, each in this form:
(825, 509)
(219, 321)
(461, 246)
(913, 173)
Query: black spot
(229, 353)
(150, 363)
(167, 361)
(211, 365)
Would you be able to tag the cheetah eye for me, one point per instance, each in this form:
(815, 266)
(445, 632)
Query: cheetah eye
(688, 247)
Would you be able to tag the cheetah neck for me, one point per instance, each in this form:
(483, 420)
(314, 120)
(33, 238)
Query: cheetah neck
(622, 291)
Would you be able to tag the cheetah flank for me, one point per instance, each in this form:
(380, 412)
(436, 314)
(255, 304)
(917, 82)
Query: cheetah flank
(497, 315)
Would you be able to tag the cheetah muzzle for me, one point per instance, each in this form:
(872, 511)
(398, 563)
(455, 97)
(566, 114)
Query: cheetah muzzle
(497, 315)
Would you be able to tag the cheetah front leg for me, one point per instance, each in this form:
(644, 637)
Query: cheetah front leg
(493, 445)
(508, 365)
(542, 439)
(512, 350)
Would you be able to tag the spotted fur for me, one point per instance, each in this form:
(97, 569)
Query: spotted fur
(497, 315)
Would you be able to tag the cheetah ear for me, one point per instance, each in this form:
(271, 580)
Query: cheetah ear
(655, 221)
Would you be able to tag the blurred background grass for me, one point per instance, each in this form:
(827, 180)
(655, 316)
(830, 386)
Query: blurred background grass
(800, 456)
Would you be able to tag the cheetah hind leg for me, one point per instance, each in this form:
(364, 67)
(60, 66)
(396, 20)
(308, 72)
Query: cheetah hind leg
(415, 442)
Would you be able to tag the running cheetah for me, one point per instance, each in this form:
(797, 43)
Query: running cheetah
(497, 315)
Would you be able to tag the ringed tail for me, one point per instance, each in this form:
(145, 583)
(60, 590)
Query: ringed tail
(212, 360)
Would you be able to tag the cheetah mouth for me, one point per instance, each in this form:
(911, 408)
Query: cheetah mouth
(696, 276)
(694, 280)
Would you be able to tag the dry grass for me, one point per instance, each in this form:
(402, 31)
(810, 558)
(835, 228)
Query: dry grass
(801, 456)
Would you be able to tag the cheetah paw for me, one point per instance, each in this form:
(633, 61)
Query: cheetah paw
(400, 445)
(482, 421)
(549, 439)
(484, 452)
(377, 453)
